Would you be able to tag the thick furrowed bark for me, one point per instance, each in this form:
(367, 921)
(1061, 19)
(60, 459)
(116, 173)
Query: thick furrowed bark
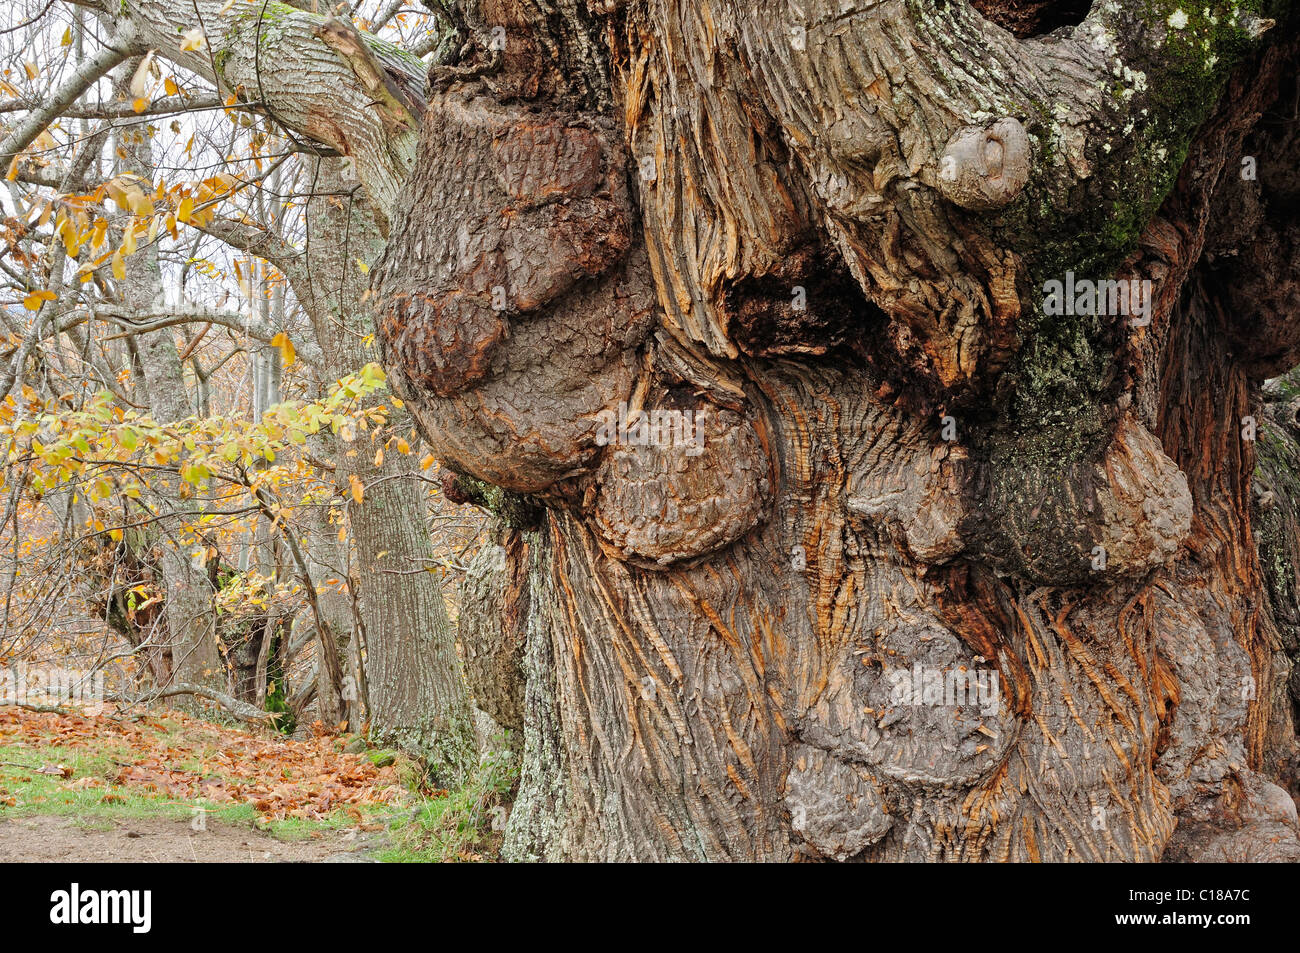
(723, 635)
(746, 709)
(1275, 520)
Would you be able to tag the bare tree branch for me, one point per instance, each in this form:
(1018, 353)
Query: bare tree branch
(241, 710)
(256, 240)
(123, 46)
(327, 97)
(163, 107)
(141, 322)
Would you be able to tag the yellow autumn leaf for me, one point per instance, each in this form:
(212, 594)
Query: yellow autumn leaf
(140, 104)
(119, 265)
(169, 84)
(32, 71)
(365, 269)
(192, 40)
(282, 343)
(403, 447)
(358, 491)
(426, 461)
(34, 300)
(71, 239)
(186, 210)
(379, 457)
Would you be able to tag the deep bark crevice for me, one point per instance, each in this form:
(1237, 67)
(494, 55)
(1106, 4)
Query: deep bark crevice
(1026, 18)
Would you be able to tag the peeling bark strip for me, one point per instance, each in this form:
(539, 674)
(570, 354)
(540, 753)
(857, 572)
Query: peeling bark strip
(399, 105)
(910, 462)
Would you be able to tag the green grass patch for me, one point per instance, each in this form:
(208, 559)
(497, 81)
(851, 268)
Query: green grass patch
(460, 825)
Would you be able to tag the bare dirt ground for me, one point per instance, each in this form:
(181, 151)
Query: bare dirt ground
(44, 839)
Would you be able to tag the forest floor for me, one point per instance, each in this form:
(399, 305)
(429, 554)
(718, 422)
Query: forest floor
(43, 839)
(165, 786)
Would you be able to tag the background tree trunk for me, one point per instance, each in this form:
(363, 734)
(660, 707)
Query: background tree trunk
(418, 700)
(191, 622)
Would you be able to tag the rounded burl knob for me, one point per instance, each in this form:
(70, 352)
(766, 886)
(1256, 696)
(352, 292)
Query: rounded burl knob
(985, 167)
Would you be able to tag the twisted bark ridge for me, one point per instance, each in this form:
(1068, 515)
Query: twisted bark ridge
(886, 370)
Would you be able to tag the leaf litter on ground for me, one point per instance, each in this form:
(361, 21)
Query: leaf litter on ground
(177, 755)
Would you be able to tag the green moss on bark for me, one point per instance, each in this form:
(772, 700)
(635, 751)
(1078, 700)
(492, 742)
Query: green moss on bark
(1058, 415)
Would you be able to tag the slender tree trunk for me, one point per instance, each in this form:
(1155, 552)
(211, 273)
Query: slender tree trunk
(418, 700)
(327, 558)
(188, 606)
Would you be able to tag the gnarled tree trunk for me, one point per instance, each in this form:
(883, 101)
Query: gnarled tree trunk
(825, 247)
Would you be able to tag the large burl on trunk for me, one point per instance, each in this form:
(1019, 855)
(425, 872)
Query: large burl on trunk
(863, 521)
